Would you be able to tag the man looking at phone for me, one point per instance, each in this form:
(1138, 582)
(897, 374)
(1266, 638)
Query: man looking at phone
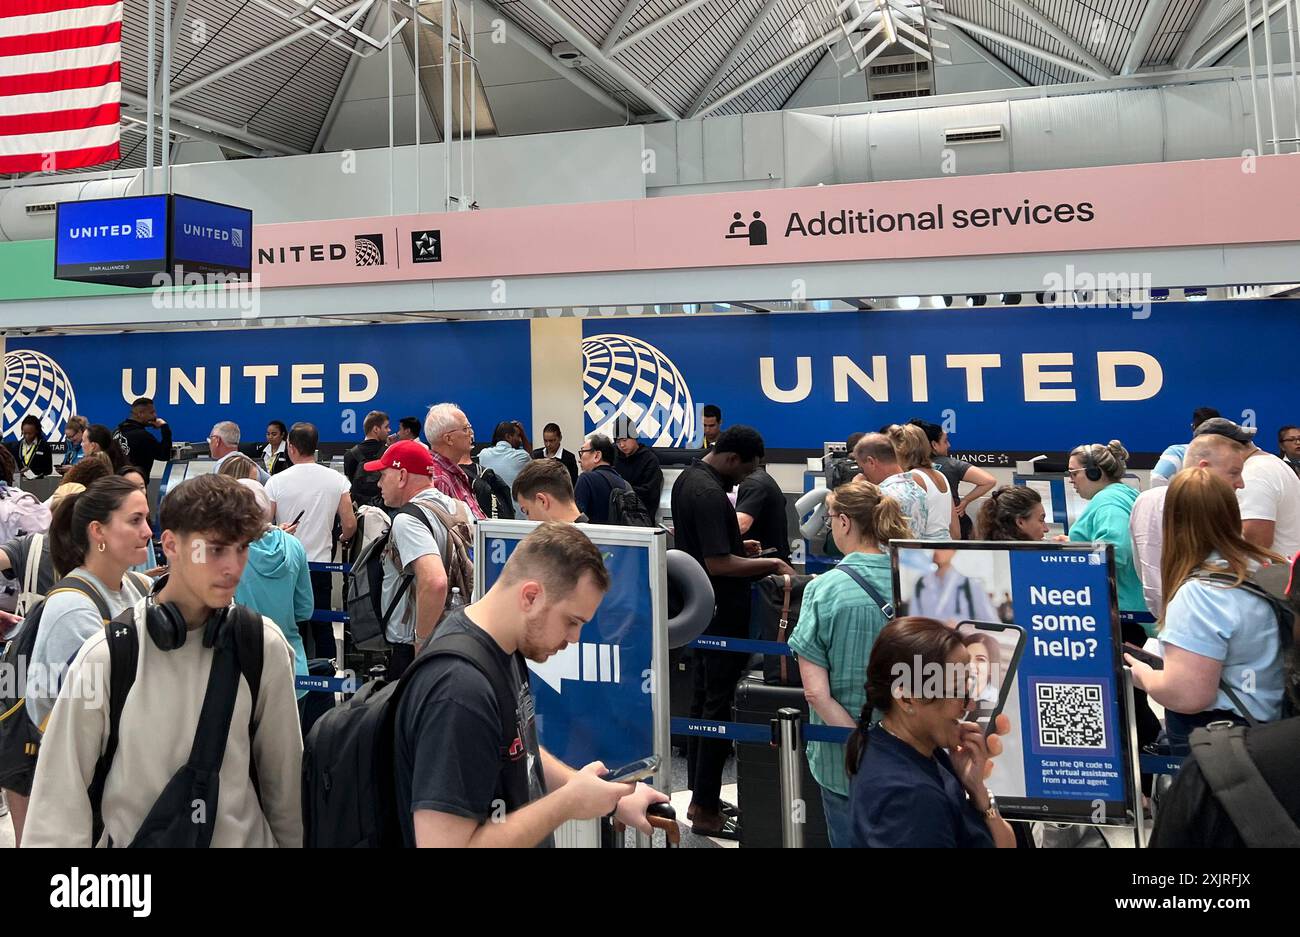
(762, 514)
(310, 496)
(460, 780)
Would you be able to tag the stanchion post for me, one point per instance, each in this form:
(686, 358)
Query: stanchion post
(1140, 828)
(789, 750)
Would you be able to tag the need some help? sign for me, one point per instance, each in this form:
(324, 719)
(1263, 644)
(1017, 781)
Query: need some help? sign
(595, 698)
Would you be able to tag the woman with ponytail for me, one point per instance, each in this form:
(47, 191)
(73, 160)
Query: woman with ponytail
(838, 620)
(1013, 512)
(918, 774)
(95, 537)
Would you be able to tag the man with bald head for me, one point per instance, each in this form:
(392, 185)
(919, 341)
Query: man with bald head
(875, 456)
(1222, 456)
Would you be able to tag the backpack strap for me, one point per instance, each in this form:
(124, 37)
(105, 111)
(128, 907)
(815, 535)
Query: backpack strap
(32, 572)
(970, 599)
(251, 650)
(1240, 788)
(123, 660)
(410, 510)
(886, 606)
(74, 583)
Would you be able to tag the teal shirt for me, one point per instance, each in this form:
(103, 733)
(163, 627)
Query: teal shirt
(1106, 520)
(276, 583)
(838, 624)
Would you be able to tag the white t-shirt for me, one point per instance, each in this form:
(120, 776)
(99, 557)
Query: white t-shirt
(316, 490)
(1272, 493)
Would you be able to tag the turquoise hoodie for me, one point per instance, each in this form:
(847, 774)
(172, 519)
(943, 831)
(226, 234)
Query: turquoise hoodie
(1106, 519)
(276, 583)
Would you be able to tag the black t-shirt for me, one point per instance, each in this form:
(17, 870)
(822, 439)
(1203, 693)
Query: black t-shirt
(704, 524)
(1190, 815)
(448, 736)
(762, 499)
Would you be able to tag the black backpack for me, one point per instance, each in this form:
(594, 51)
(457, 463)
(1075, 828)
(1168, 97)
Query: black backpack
(626, 509)
(1241, 790)
(363, 587)
(493, 496)
(365, 485)
(349, 795)
(171, 823)
(1272, 584)
(20, 738)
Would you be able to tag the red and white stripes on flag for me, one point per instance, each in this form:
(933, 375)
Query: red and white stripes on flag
(60, 83)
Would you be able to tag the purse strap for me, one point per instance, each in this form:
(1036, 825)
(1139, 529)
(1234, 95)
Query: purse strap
(886, 606)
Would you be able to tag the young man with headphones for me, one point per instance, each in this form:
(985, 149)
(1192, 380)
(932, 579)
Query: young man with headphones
(182, 696)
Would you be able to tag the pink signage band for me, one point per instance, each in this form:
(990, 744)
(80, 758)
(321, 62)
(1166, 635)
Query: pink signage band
(1183, 204)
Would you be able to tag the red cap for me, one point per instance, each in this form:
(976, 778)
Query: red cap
(407, 454)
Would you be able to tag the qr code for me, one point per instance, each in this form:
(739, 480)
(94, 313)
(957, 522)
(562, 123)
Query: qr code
(1070, 715)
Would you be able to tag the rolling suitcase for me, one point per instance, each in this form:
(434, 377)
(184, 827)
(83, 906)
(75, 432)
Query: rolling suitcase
(757, 775)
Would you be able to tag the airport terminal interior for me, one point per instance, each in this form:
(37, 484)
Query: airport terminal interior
(649, 423)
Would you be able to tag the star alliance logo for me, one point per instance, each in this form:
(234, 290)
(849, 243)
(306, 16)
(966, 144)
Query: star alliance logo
(143, 229)
(426, 247)
(369, 250)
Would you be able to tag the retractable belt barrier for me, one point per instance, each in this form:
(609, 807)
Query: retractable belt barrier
(744, 732)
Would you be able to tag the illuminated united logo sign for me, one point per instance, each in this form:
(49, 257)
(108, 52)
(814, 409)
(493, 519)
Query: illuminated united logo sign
(35, 384)
(624, 376)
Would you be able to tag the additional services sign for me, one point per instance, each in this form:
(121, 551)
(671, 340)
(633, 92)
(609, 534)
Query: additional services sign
(1159, 205)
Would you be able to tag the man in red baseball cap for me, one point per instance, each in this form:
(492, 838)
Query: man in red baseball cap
(415, 578)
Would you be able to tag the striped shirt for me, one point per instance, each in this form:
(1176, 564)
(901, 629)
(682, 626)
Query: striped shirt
(838, 624)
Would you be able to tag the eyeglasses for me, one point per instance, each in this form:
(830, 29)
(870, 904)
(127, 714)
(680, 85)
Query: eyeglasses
(1292, 439)
(585, 451)
(1073, 472)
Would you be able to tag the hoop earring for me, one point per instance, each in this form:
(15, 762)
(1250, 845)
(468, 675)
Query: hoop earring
(100, 547)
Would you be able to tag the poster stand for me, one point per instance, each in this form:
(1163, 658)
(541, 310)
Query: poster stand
(642, 664)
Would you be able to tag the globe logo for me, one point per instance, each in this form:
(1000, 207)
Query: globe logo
(624, 376)
(35, 384)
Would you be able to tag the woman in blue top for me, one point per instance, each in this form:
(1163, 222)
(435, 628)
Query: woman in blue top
(1097, 473)
(906, 790)
(838, 622)
(1212, 631)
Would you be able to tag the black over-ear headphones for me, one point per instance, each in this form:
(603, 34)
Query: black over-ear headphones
(167, 626)
(1091, 470)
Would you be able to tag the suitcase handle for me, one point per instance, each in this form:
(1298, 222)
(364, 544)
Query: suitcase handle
(661, 817)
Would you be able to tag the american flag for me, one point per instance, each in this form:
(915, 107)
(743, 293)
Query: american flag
(60, 84)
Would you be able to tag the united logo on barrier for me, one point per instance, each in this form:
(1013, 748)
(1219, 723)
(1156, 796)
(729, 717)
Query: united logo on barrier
(35, 384)
(623, 376)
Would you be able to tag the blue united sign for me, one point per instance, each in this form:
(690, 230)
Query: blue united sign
(327, 376)
(111, 240)
(208, 237)
(151, 240)
(1007, 383)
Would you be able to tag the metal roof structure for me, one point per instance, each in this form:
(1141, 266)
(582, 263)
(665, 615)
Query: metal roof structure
(255, 82)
